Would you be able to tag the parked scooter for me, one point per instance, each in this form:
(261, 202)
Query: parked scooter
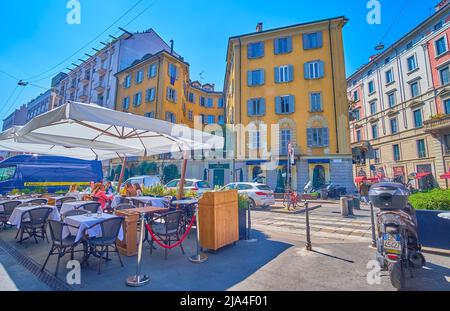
(398, 249)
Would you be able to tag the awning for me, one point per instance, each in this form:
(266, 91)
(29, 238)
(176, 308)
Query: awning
(360, 179)
(446, 176)
(422, 175)
(373, 179)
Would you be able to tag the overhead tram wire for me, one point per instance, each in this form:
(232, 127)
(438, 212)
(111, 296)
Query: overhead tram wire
(32, 78)
(15, 101)
(380, 45)
(9, 98)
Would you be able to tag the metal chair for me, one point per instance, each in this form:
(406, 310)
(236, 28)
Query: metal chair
(124, 206)
(166, 228)
(98, 246)
(90, 207)
(138, 203)
(74, 212)
(8, 208)
(34, 224)
(61, 245)
(124, 200)
(60, 202)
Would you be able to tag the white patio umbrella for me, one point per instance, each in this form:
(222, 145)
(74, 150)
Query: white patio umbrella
(89, 125)
(8, 143)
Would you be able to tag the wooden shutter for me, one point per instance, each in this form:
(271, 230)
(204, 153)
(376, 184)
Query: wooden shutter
(289, 44)
(325, 137)
(309, 135)
(249, 78)
(291, 104)
(276, 46)
(250, 50)
(290, 73)
(321, 65)
(278, 105)
(250, 110)
(277, 74)
(319, 39)
(306, 42)
(262, 76)
(306, 69)
(262, 107)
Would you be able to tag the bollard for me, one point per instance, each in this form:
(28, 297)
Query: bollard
(372, 219)
(308, 229)
(138, 279)
(199, 257)
(356, 203)
(249, 225)
(344, 206)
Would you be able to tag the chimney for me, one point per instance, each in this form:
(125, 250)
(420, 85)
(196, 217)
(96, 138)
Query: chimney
(259, 27)
(171, 46)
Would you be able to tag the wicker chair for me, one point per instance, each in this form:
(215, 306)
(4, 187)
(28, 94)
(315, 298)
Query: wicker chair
(124, 206)
(8, 208)
(34, 224)
(74, 212)
(138, 203)
(60, 202)
(61, 245)
(90, 207)
(166, 228)
(110, 229)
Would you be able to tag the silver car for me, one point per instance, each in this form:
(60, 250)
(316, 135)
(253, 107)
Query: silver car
(260, 195)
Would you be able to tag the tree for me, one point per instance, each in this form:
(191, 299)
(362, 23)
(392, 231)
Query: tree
(170, 172)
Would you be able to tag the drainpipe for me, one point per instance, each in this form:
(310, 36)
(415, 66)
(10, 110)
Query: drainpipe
(334, 91)
(402, 89)
(158, 88)
(425, 46)
(380, 96)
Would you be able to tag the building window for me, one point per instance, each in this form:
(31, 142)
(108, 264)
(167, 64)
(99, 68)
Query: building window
(409, 45)
(221, 120)
(127, 82)
(315, 102)
(373, 107)
(417, 118)
(256, 107)
(374, 131)
(447, 143)
(284, 104)
(394, 126)
(391, 99)
(421, 151)
(358, 135)
(202, 101)
(389, 76)
(371, 87)
(170, 117)
(210, 103)
(126, 103)
(396, 150)
(284, 74)
(171, 94)
(314, 70)
(414, 89)
(150, 95)
(152, 70)
(220, 102)
(190, 115)
(438, 26)
(376, 156)
(139, 76)
(191, 97)
(447, 106)
(285, 140)
(317, 137)
(441, 46)
(387, 60)
(255, 141)
(282, 45)
(173, 73)
(137, 100)
(312, 40)
(255, 50)
(357, 114)
(445, 75)
(211, 119)
(356, 96)
(255, 77)
(150, 114)
(412, 63)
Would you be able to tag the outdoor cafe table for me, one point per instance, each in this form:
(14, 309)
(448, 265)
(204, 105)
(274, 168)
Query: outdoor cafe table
(52, 200)
(22, 201)
(128, 246)
(154, 201)
(83, 222)
(16, 217)
(69, 206)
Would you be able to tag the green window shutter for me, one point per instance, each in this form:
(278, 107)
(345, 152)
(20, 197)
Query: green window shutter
(262, 103)
(278, 105)
(250, 110)
(321, 69)
(289, 44)
(306, 43)
(262, 76)
(309, 135)
(249, 78)
(291, 73)
(306, 69)
(319, 39)
(277, 74)
(276, 47)
(326, 138)
(291, 103)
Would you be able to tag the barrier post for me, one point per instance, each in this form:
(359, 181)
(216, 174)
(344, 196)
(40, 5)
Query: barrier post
(138, 279)
(249, 225)
(372, 219)
(199, 257)
(308, 229)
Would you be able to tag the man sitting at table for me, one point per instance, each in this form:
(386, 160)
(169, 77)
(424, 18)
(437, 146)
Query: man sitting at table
(100, 194)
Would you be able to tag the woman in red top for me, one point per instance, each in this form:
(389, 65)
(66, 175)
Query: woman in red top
(101, 196)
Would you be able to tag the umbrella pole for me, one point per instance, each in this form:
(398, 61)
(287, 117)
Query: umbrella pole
(122, 172)
(182, 179)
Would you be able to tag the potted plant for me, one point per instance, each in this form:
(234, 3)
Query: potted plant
(242, 216)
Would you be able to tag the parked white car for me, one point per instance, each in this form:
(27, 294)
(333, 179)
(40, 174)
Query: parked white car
(196, 185)
(260, 195)
(144, 181)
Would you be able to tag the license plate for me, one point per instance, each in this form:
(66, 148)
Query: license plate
(392, 243)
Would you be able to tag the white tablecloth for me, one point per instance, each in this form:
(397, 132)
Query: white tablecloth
(157, 202)
(76, 195)
(69, 206)
(20, 200)
(16, 216)
(82, 222)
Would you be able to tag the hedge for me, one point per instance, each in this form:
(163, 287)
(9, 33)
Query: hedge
(436, 199)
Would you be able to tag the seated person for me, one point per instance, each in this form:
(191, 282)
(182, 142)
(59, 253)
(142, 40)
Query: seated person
(100, 194)
(138, 188)
(72, 189)
(130, 190)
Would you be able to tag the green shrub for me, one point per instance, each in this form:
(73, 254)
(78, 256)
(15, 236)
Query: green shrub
(242, 201)
(436, 199)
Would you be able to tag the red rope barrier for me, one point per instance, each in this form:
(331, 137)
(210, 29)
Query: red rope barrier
(152, 234)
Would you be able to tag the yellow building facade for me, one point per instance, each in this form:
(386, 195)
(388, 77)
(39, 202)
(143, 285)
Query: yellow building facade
(292, 78)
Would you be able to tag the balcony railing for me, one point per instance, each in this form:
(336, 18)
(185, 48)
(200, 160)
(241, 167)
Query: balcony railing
(438, 124)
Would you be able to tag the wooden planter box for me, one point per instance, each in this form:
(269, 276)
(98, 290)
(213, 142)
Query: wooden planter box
(218, 216)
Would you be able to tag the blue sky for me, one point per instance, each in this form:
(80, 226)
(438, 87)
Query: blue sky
(36, 36)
